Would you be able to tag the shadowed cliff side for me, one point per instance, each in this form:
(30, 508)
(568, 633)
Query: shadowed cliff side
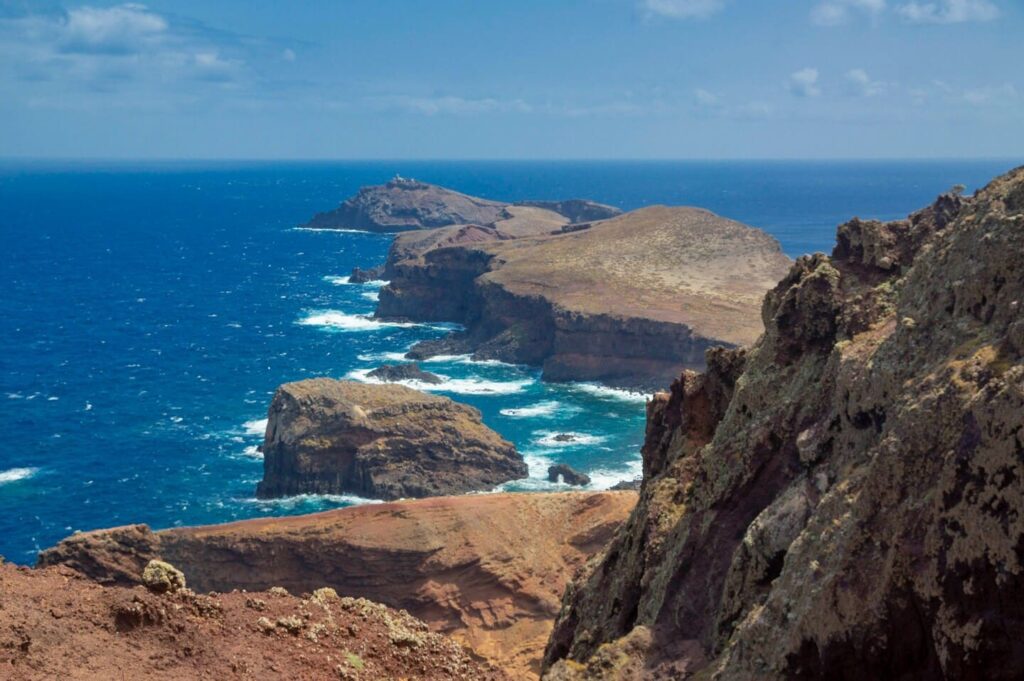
(488, 569)
(842, 500)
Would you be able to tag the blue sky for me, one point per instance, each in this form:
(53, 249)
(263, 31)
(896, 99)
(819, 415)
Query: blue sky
(525, 79)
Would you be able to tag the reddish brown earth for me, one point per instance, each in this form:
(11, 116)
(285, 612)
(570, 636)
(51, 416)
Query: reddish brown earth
(57, 624)
(487, 569)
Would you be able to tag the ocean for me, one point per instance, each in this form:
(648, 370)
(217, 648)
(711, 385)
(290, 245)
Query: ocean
(149, 310)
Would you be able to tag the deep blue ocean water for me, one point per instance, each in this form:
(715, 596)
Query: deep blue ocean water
(149, 311)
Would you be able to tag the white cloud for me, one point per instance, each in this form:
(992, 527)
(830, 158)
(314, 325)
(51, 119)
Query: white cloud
(863, 84)
(993, 94)
(836, 12)
(451, 105)
(948, 11)
(804, 83)
(122, 29)
(683, 9)
(705, 98)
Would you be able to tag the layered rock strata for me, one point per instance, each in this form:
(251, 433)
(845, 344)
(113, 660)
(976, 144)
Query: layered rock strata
(379, 441)
(487, 569)
(844, 499)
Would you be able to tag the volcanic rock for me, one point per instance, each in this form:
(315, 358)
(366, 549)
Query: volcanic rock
(473, 566)
(624, 485)
(379, 441)
(567, 474)
(391, 373)
(57, 624)
(845, 499)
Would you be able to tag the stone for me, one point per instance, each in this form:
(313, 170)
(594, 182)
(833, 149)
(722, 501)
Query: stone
(161, 577)
(567, 474)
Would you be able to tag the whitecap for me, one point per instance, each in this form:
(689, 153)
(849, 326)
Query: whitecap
(462, 386)
(301, 499)
(16, 474)
(605, 478)
(383, 357)
(372, 295)
(255, 427)
(337, 281)
(547, 438)
(539, 410)
(253, 451)
(604, 391)
(342, 321)
(336, 231)
(376, 283)
(466, 359)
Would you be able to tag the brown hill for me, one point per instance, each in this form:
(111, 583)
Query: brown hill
(488, 569)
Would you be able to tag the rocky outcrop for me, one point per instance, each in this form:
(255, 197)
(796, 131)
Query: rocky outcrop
(843, 500)
(630, 301)
(363, 276)
(57, 624)
(379, 441)
(565, 473)
(475, 567)
(404, 204)
(391, 373)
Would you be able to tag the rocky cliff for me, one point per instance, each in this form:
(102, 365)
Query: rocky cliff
(57, 624)
(630, 301)
(404, 204)
(379, 441)
(487, 569)
(842, 500)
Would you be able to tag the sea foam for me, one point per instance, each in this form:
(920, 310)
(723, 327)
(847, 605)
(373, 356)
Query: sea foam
(539, 410)
(610, 393)
(255, 427)
(342, 321)
(547, 438)
(461, 386)
(16, 474)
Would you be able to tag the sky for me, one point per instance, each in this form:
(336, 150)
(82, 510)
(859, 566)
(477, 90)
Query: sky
(531, 79)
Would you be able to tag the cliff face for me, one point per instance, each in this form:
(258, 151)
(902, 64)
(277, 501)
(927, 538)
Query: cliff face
(487, 569)
(842, 501)
(59, 625)
(379, 441)
(629, 301)
(404, 204)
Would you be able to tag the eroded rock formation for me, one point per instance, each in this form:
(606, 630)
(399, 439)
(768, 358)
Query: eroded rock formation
(379, 441)
(488, 569)
(843, 500)
(57, 624)
(629, 301)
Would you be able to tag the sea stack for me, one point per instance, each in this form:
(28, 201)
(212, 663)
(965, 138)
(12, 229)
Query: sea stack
(379, 441)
